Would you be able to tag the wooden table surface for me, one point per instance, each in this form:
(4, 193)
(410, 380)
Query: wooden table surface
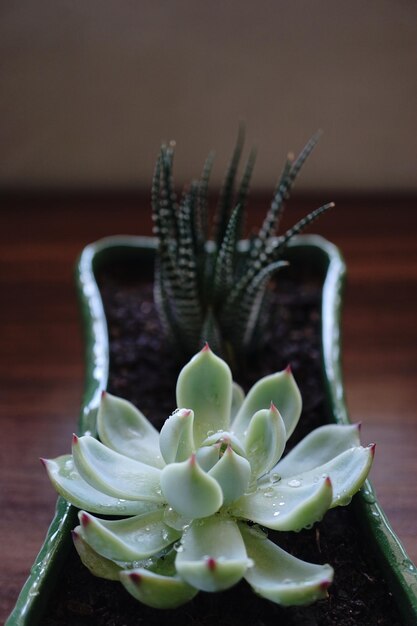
(41, 365)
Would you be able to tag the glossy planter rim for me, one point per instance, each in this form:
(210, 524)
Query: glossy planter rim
(399, 571)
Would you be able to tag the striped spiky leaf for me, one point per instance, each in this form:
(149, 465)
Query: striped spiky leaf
(288, 176)
(224, 269)
(226, 197)
(207, 290)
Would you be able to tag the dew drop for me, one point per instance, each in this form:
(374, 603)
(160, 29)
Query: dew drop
(294, 482)
(274, 478)
(368, 496)
(276, 513)
(268, 492)
(178, 547)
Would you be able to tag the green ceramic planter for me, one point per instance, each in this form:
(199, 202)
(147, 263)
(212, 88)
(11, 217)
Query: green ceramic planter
(398, 570)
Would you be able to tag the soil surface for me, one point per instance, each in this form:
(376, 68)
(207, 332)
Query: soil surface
(144, 371)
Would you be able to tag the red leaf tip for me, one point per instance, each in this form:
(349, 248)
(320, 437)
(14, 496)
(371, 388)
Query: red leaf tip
(43, 461)
(325, 584)
(84, 519)
(135, 577)
(372, 447)
(328, 482)
(288, 369)
(103, 393)
(273, 408)
(359, 426)
(211, 563)
(75, 536)
(206, 347)
(74, 439)
(192, 460)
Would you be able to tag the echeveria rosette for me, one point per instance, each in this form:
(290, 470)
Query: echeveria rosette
(193, 501)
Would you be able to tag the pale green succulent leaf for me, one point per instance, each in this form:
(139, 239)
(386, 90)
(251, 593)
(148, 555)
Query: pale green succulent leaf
(176, 439)
(292, 505)
(205, 386)
(129, 539)
(225, 437)
(281, 577)
(207, 456)
(115, 474)
(318, 447)
(265, 440)
(233, 473)
(97, 564)
(238, 396)
(71, 486)
(156, 590)
(189, 490)
(280, 389)
(212, 556)
(348, 471)
(123, 428)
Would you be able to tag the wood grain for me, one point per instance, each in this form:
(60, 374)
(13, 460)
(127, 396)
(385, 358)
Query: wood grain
(41, 365)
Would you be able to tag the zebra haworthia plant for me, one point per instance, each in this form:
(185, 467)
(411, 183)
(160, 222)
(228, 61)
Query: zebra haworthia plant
(194, 502)
(206, 289)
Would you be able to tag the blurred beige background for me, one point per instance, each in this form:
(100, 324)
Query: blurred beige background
(89, 89)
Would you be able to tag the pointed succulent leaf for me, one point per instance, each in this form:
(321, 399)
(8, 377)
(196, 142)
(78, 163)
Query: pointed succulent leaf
(212, 556)
(189, 490)
(290, 506)
(238, 395)
(97, 564)
(176, 437)
(233, 473)
(156, 590)
(347, 472)
(128, 539)
(71, 486)
(123, 428)
(115, 474)
(225, 438)
(281, 577)
(282, 390)
(317, 448)
(207, 456)
(205, 385)
(265, 440)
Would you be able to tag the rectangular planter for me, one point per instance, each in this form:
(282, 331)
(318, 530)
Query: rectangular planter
(399, 572)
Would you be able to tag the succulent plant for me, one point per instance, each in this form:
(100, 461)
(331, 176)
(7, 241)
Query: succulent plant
(194, 502)
(206, 289)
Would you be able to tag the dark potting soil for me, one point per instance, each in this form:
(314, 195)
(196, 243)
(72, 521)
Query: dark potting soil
(144, 371)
